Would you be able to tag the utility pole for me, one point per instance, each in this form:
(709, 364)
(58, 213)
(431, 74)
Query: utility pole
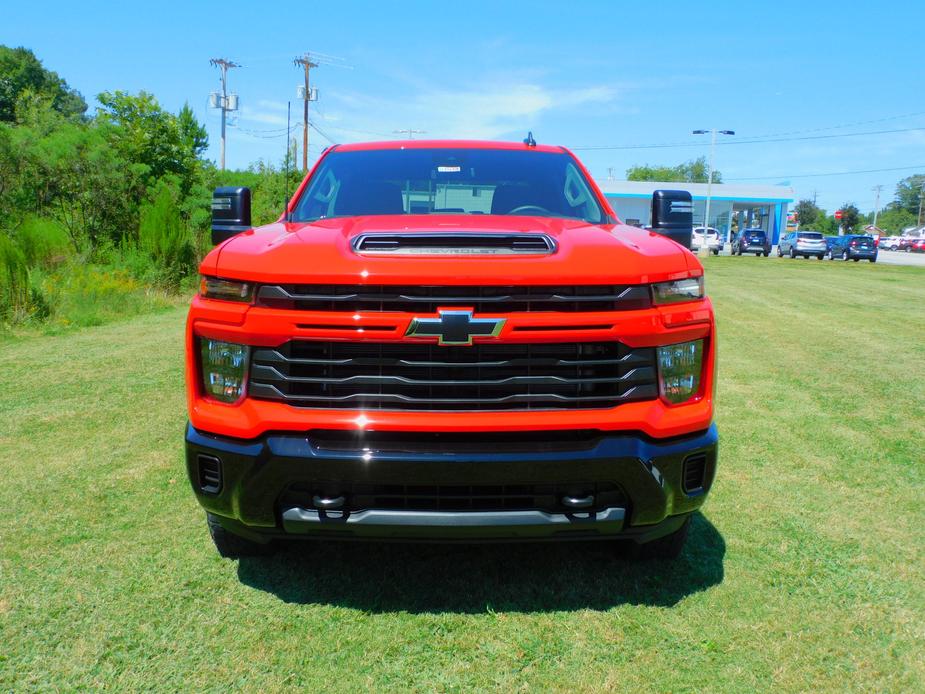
(307, 63)
(921, 195)
(222, 101)
(877, 190)
(410, 132)
(704, 250)
(610, 173)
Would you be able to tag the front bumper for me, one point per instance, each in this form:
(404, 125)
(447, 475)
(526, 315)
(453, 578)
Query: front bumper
(259, 495)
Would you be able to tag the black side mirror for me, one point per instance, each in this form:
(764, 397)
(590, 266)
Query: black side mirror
(231, 212)
(673, 215)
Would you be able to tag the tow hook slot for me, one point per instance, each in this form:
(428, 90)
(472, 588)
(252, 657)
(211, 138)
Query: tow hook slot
(578, 501)
(328, 503)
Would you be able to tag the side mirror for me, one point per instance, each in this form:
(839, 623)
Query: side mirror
(673, 215)
(231, 212)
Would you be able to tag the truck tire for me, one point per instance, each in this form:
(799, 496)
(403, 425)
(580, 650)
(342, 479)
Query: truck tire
(793, 253)
(668, 547)
(844, 256)
(231, 546)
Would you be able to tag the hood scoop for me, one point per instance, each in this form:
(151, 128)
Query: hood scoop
(453, 243)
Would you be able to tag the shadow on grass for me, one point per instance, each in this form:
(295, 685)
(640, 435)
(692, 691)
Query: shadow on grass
(475, 578)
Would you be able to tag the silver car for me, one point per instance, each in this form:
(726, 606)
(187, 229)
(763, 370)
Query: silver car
(804, 243)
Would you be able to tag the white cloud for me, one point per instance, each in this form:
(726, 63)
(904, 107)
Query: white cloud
(473, 113)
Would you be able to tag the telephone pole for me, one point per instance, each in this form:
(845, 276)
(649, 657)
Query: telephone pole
(877, 190)
(410, 132)
(306, 62)
(921, 195)
(222, 100)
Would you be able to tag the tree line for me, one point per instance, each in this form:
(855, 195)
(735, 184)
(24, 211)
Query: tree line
(123, 192)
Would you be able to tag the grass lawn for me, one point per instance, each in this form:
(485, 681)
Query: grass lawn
(806, 570)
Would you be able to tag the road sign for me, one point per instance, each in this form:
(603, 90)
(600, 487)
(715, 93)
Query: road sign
(838, 214)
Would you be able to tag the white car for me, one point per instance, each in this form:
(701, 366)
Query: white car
(714, 244)
(889, 243)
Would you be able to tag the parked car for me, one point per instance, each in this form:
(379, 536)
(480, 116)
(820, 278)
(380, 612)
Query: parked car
(752, 241)
(918, 246)
(906, 243)
(890, 243)
(714, 243)
(852, 247)
(804, 243)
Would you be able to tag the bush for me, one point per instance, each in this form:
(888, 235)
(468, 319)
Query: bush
(164, 238)
(85, 295)
(43, 242)
(14, 281)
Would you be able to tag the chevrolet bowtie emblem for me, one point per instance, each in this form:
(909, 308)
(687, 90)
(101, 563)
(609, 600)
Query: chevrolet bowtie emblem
(455, 327)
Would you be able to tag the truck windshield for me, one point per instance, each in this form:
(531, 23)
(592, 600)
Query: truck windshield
(448, 181)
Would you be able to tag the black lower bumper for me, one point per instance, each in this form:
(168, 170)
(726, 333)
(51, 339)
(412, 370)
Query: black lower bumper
(536, 487)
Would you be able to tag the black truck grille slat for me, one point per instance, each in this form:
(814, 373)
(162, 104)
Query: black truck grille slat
(427, 299)
(456, 497)
(418, 376)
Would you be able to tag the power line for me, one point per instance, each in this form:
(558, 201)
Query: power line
(746, 141)
(410, 132)
(831, 173)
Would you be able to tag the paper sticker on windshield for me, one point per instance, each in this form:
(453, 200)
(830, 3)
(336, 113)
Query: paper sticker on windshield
(449, 169)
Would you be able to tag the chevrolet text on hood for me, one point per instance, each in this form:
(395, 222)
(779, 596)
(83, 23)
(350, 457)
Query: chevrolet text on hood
(450, 340)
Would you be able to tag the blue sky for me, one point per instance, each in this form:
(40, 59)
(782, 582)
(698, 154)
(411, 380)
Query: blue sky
(582, 74)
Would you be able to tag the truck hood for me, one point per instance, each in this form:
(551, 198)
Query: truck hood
(322, 252)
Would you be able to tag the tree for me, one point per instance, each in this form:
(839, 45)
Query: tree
(693, 171)
(22, 72)
(894, 219)
(850, 217)
(807, 212)
(909, 193)
(145, 133)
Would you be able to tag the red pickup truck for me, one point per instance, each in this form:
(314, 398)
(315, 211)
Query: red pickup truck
(450, 340)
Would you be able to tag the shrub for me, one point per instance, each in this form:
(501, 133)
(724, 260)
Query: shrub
(43, 242)
(164, 238)
(14, 281)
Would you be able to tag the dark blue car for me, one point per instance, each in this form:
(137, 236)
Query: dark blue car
(851, 247)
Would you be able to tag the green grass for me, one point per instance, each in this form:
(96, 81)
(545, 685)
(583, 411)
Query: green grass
(804, 573)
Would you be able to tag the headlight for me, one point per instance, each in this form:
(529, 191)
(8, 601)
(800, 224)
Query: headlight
(679, 369)
(224, 369)
(226, 290)
(675, 292)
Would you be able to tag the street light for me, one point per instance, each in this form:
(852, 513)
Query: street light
(704, 251)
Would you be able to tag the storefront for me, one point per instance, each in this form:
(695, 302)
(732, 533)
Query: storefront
(732, 207)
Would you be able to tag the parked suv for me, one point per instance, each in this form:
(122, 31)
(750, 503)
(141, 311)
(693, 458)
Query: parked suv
(713, 241)
(804, 243)
(890, 243)
(445, 340)
(751, 241)
(852, 247)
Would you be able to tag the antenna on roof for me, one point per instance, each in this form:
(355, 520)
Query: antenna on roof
(529, 141)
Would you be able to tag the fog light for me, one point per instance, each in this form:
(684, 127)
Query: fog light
(224, 369)
(679, 369)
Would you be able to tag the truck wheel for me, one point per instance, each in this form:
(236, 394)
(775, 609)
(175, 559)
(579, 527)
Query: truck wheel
(792, 253)
(231, 546)
(715, 251)
(844, 256)
(668, 547)
(873, 260)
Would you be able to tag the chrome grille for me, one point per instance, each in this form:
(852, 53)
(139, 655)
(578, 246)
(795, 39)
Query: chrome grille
(419, 376)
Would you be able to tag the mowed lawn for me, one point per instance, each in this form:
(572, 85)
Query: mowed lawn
(805, 572)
